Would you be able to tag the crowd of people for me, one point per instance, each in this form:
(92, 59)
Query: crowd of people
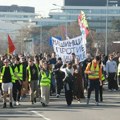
(43, 75)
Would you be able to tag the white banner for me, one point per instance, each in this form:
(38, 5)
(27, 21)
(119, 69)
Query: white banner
(64, 49)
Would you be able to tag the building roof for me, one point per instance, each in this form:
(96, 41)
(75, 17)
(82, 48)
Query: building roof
(16, 8)
(91, 2)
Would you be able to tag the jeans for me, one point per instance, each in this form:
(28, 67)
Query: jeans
(94, 85)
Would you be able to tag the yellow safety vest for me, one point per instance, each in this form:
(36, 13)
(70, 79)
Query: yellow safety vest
(18, 73)
(45, 80)
(29, 73)
(96, 70)
(2, 74)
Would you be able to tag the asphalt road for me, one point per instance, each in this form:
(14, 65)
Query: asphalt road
(58, 110)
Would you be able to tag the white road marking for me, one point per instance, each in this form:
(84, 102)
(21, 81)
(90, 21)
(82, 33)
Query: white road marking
(17, 115)
(38, 114)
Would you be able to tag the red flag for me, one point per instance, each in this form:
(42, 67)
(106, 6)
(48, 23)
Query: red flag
(11, 46)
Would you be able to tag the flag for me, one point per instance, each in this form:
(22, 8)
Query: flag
(11, 46)
(82, 22)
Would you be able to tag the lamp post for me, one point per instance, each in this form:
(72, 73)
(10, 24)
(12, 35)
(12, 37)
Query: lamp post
(106, 39)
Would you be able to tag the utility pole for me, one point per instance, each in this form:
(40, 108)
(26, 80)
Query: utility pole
(106, 39)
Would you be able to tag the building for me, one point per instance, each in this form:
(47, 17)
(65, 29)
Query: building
(91, 2)
(98, 12)
(17, 16)
(14, 18)
(16, 13)
(16, 8)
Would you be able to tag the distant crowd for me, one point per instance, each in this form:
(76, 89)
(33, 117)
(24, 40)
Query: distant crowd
(43, 75)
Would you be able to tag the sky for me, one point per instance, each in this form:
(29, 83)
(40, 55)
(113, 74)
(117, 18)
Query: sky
(42, 6)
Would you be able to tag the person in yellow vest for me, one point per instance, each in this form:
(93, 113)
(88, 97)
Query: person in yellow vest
(17, 85)
(6, 80)
(32, 76)
(45, 83)
(94, 71)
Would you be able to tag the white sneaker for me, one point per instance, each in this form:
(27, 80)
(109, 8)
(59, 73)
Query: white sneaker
(17, 103)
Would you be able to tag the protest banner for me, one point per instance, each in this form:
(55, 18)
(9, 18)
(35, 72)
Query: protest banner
(64, 49)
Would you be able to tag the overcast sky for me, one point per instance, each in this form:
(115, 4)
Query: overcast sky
(43, 6)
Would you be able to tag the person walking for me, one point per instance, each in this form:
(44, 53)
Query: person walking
(59, 76)
(18, 77)
(32, 76)
(78, 90)
(68, 83)
(6, 80)
(94, 71)
(111, 72)
(45, 83)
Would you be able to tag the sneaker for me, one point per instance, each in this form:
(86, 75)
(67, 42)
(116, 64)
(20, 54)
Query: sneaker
(11, 106)
(68, 105)
(114, 90)
(17, 103)
(4, 105)
(97, 103)
(43, 104)
(57, 95)
(88, 101)
(78, 100)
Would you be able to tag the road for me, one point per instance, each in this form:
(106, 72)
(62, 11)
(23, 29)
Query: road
(58, 110)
